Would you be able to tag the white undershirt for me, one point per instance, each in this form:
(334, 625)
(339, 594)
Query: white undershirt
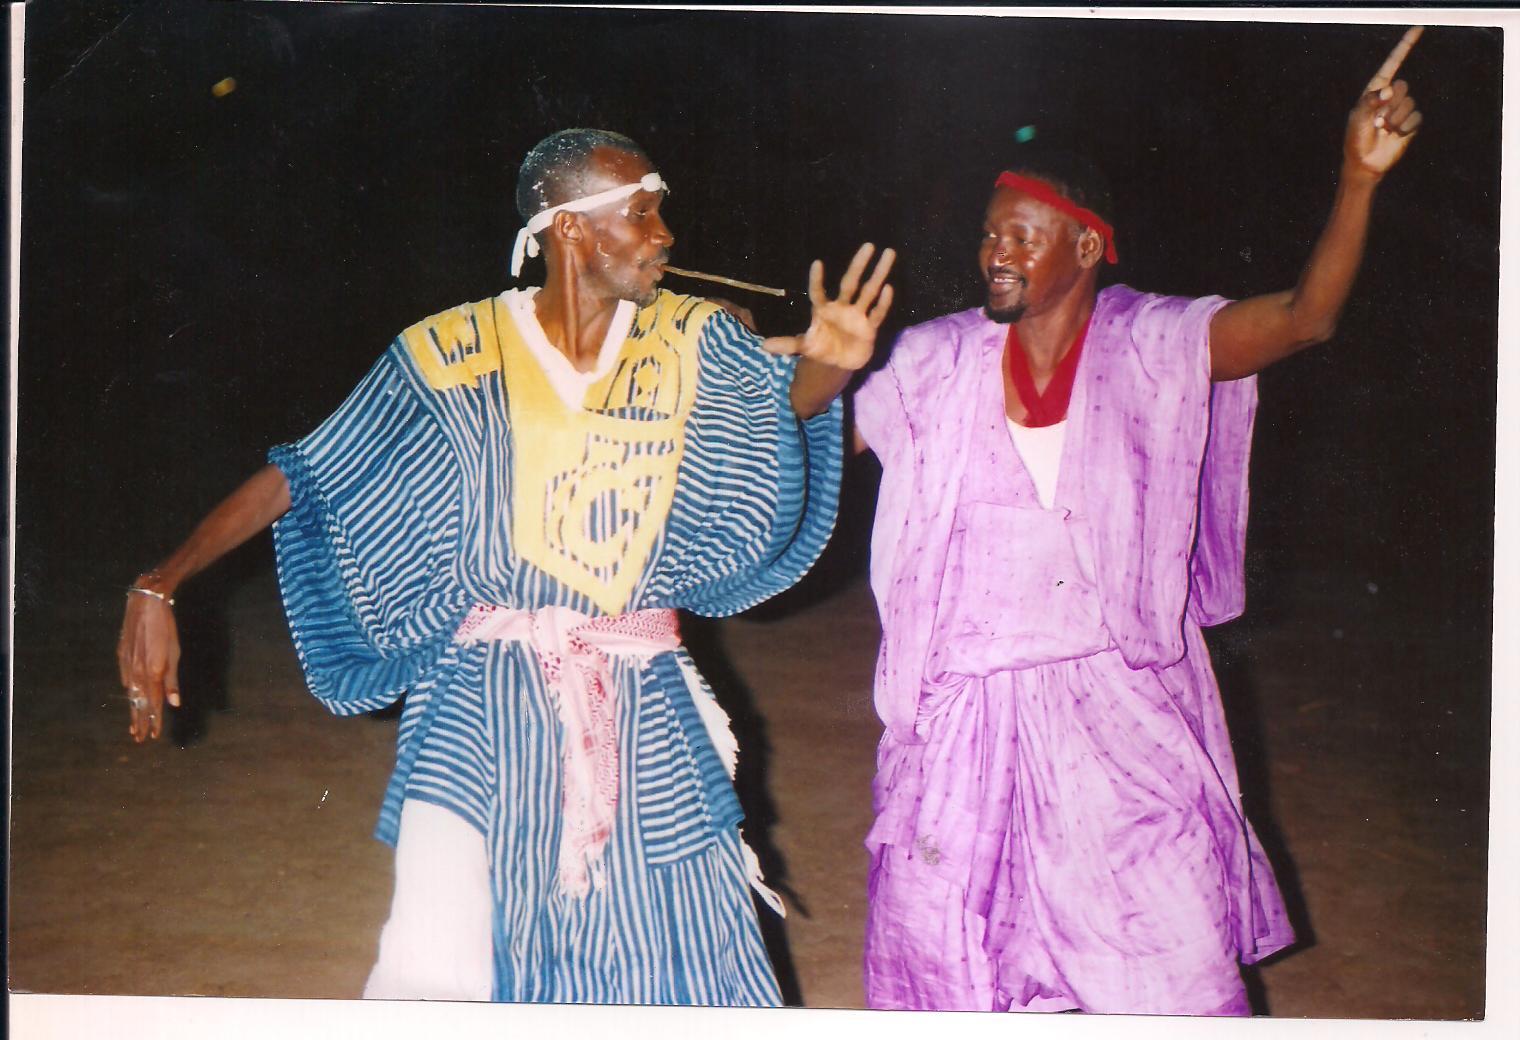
(1040, 448)
(568, 381)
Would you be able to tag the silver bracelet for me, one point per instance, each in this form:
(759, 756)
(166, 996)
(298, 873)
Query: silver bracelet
(152, 592)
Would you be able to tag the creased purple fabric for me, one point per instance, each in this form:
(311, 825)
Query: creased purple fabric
(1055, 784)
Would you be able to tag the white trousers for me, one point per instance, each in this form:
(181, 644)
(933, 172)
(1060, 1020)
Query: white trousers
(437, 943)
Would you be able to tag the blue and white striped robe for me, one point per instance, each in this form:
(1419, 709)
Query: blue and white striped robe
(400, 521)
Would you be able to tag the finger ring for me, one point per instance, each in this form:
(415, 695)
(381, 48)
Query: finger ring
(138, 703)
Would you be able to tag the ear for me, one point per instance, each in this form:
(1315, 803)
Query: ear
(567, 227)
(568, 236)
(1089, 248)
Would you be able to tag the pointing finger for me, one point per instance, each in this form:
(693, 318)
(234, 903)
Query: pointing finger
(1395, 58)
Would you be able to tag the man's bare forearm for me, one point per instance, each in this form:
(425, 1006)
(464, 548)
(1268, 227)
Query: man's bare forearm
(261, 500)
(815, 385)
(1251, 334)
(1327, 278)
(1247, 336)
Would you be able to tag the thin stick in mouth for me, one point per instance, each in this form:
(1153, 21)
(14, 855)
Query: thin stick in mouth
(751, 286)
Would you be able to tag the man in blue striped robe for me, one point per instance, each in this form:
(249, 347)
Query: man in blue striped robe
(500, 523)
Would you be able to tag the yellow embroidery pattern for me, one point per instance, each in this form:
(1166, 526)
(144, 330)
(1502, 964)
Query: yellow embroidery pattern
(592, 487)
(456, 347)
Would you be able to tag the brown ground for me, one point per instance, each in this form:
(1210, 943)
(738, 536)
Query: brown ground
(241, 864)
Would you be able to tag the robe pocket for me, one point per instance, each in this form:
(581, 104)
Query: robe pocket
(1018, 591)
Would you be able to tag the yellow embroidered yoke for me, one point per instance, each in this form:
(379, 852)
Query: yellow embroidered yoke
(592, 481)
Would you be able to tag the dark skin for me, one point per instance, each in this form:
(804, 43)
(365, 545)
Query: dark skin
(1041, 265)
(595, 260)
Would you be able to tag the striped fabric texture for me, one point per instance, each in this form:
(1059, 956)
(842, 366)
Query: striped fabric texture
(401, 521)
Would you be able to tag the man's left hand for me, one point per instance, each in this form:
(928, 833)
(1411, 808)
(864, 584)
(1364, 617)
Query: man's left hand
(842, 333)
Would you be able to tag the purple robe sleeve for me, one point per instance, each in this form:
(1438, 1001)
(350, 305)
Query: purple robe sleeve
(907, 415)
(1168, 521)
(881, 415)
(1218, 588)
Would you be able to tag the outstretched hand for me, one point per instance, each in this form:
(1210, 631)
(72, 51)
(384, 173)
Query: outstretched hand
(147, 658)
(1385, 119)
(1246, 336)
(842, 333)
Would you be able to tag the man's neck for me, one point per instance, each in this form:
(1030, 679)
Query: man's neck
(574, 322)
(1048, 336)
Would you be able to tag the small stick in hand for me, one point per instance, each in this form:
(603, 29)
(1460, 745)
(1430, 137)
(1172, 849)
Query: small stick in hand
(751, 286)
(1396, 58)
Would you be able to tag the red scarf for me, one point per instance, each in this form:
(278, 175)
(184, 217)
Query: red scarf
(1048, 408)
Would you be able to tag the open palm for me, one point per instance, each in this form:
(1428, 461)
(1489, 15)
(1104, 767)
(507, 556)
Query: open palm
(842, 332)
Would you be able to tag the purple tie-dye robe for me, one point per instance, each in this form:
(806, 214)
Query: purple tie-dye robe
(1058, 818)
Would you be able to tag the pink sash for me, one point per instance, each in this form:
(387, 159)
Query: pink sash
(573, 650)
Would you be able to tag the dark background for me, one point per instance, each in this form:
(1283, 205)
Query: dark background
(203, 277)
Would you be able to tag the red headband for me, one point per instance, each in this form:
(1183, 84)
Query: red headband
(1043, 192)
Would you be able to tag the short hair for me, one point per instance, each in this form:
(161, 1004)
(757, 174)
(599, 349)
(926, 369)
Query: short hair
(1069, 172)
(553, 170)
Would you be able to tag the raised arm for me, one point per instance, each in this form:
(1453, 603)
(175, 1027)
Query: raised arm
(147, 654)
(1248, 335)
(842, 334)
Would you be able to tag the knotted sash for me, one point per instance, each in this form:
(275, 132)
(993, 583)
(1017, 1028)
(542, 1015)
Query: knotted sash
(574, 651)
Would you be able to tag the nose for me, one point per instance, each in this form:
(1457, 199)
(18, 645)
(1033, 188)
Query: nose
(1011, 252)
(661, 232)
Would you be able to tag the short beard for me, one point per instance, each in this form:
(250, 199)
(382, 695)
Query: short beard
(1005, 316)
(635, 293)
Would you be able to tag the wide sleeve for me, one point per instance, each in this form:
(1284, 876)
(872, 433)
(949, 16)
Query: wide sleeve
(1142, 446)
(759, 488)
(918, 415)
(1218, 587)
(880, 410)
(363, 552)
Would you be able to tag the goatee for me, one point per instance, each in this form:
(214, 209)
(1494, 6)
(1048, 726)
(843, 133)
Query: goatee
(1004, 315)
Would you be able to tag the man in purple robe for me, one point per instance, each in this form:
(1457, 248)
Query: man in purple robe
(1063, 502)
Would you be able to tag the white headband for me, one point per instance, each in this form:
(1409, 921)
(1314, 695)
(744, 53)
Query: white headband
(527, 245)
